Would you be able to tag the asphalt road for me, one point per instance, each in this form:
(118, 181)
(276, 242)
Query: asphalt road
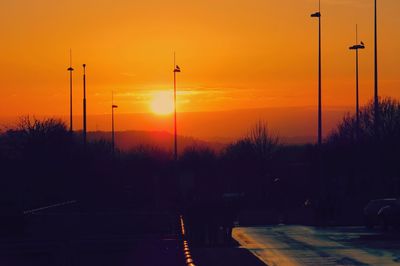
(101, 251)
(302, 245)
(58, 235)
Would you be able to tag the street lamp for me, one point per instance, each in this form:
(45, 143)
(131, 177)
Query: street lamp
(84, 104)
(356, 47)
(376, 96)
(70, 69)
(113, 106)
(176, 70)
(318, 15)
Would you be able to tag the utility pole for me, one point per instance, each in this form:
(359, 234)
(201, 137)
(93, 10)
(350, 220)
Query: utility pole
(318, 15)
(376, 95)
(356, 47)
(176, 70)
(113, 106)
(70, 70)
(84, 106)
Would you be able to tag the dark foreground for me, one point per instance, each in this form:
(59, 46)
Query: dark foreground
(302, 245)
(225, 256)
(105, 250)
(76, 238)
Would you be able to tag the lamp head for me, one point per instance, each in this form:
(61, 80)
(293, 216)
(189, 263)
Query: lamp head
(316, 15)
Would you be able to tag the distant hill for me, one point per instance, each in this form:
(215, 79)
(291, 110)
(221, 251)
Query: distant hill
(294, 125)
(298, 140)
(127, 140)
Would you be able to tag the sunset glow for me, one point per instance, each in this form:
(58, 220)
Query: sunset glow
(268, 129)
(242, 55)
(162, 103)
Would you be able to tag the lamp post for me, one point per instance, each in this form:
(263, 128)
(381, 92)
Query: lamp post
(318, 15)
(84, 105)
(70, 69)
(113, 106)
(356, 47)
(176, 70)
(376, 96)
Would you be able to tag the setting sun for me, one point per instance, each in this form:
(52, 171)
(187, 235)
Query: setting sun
(162, 103)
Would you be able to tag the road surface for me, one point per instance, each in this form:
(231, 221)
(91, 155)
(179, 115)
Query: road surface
(64, 235)
(100, 251)
(302, 245)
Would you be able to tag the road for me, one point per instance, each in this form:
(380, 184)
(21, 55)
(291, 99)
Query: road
(302, 245)
(63, 235)
(107, 251)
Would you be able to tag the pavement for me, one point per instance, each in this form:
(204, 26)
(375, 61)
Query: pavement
(128, 238)
(52, 238)
(99, 251)
(303, 245)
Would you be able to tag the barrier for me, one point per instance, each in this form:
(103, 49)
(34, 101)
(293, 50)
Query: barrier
(186, 250)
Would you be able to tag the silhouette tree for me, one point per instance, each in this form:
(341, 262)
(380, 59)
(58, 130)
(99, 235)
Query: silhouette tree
(249, 162)
(389, 128)
(360, 167)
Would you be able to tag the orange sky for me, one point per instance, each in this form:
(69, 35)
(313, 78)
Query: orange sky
(233, 54)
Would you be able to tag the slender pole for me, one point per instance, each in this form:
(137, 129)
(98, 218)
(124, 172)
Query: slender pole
(112, 129)
(318, 15)
(356, 47)
(70, 102)
(320, 174)
(70, 69)
(357, 92)
(175, 122)
(376, 96)
(357, 97)
(84, 105)
(112, 124)
(319, 83)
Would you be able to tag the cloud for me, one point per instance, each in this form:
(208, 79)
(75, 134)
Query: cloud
(128, 74)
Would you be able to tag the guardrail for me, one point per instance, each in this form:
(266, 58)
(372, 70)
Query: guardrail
(50, 206)
(186, 250)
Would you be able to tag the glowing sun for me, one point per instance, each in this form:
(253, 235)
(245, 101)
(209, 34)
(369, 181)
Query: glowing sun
(162, 103)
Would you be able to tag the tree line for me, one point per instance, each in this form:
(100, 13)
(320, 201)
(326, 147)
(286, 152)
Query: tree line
(43, 163)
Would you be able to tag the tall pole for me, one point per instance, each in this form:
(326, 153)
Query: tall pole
(175, 126)
(84, 105)
(356, 47)
(376, 96)
(357, 99)
(318, 15)
(176, 70)
(70, 69)
(113, 106)
(112, 124)
(319, 81)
